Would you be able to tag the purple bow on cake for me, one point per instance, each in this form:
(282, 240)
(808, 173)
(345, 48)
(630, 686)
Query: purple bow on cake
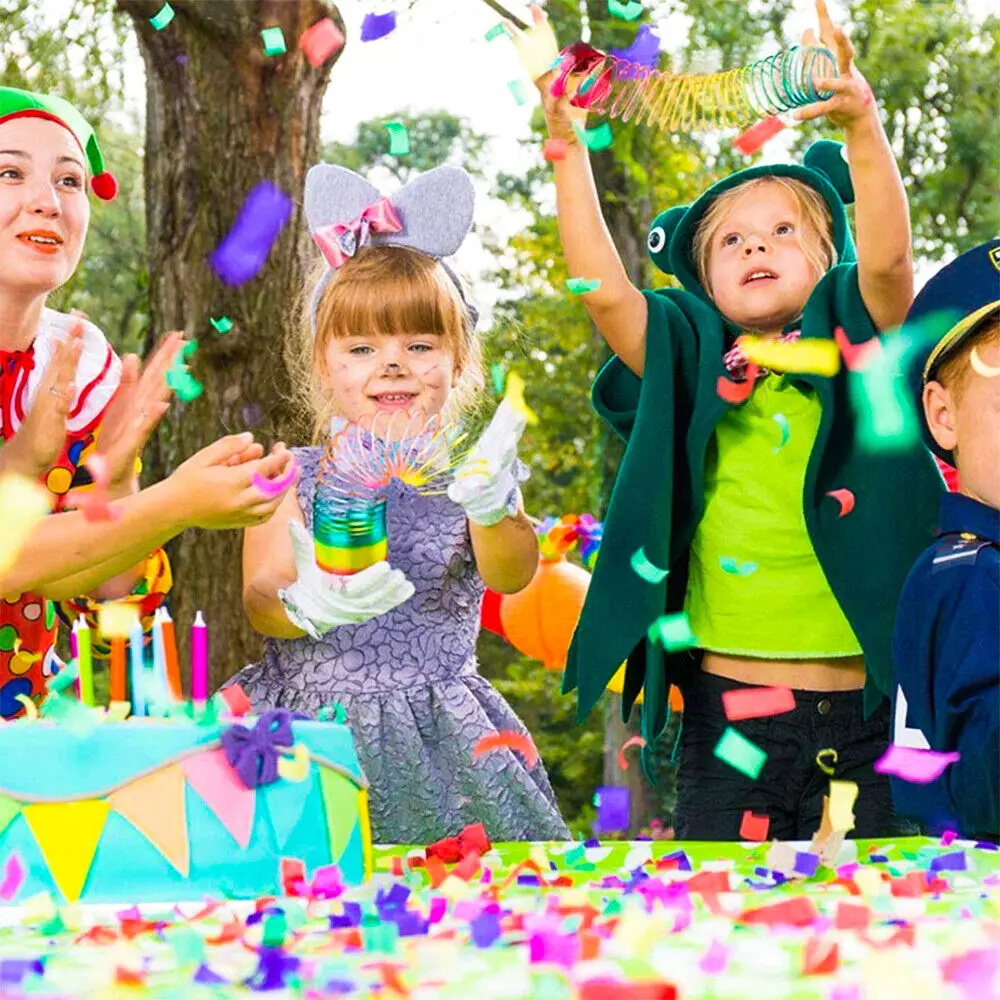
(253, 753)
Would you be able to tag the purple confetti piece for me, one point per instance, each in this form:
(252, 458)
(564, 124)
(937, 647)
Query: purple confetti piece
(806, 863)
(273, 967)
(644, 50)
(485, 929)
(438, 908)
(206, 977)
(13, 971)
(613, 808)
(954, 862)
(243, 252)
(987, 845)
(376, 26)
(681, 857)
(351, 917)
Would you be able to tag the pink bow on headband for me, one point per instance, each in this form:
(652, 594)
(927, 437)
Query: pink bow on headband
(339, 241)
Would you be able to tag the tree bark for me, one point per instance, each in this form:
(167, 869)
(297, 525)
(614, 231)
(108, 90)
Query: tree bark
(220, 117)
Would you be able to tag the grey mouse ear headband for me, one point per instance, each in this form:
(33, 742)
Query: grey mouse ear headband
(432, 214)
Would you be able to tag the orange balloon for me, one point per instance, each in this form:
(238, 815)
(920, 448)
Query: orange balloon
(540, 620)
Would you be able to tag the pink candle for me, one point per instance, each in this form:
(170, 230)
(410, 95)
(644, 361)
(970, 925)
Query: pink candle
(199, 659)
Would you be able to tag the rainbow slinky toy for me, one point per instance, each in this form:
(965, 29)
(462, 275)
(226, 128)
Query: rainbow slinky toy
(690, 101)
(349, 508)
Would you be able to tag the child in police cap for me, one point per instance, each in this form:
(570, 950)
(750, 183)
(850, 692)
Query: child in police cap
(946, 646)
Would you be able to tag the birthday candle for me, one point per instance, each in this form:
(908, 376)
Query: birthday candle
(199, 659)
(84, 662)
(135, 640)
(170, 651)
(117, 668)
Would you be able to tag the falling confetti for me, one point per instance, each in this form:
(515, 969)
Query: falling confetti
(807, 356)
(740, 753)
(782, 421)
(644, 51)
(399, 138)
(554, 149)
(273, 40)
(222, 325)
(241, 255)
(614, 806)
(376, 26)
(580, 286)
(845, 498)
(625, 11)
(595, 139)
(632, 741)
(644, 568)
(914, 765)
(162, 17)
(510, 740)
(735, 393)
(321, 41)
(753, 827)
(856, 357)
(672, 632)
(497, 31)
(757, 702)
(754, 138)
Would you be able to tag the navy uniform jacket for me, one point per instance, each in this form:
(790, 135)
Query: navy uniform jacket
(946, 652)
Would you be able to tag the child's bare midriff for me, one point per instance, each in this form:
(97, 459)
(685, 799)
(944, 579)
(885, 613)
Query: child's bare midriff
(840, 673)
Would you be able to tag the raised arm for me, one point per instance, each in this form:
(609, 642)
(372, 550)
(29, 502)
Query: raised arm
(617, 307)
(881, 211)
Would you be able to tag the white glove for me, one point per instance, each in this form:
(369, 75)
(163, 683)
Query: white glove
(486, 480)
(318, 602)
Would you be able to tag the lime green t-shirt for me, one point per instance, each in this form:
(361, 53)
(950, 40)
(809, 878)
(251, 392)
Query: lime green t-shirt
(755, 585)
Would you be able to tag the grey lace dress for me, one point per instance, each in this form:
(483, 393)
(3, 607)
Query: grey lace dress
(414, 699)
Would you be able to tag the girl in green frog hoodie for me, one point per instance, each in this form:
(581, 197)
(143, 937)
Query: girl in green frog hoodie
(785, 543)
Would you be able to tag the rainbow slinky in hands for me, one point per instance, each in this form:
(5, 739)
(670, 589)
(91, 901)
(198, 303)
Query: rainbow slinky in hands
(686, 102)
(349, 508)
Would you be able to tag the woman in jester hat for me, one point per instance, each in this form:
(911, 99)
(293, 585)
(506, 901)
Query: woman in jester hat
(66, 398)
(788, 561)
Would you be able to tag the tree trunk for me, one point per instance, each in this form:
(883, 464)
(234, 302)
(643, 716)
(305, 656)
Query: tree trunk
(220, 117)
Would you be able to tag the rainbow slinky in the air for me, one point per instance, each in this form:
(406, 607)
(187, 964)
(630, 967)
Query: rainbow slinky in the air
(349, 508)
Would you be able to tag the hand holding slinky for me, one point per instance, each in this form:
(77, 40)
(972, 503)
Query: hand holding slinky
(486, 481)
(318, 602)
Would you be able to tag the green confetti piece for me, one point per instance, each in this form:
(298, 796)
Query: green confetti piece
(782, 421)
(162, 17)
(672, 632)
(517, 90)
(275, 929)
(626, 11)
(595, 139)
(188, 945)
(644, 568)
(739, 753)
(222, 325)
(734, 568)
(499, 378)
(495, 32)
(580, 286)
(274, 41)
(380, 937)
(50, 614)
(399, 138)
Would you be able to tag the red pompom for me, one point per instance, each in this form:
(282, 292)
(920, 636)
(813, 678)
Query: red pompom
(490, 615)
(104, 186)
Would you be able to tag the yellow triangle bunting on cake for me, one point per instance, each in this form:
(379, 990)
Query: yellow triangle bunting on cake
(340, 798)
(67, 835)
(155, 806)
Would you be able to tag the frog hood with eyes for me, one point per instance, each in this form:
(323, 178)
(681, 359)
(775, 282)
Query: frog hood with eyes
(824, 168)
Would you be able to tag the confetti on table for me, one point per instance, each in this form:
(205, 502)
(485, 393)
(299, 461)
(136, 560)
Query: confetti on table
(856, 357)
(632, 741)
(843, 795)
(116, 619)
(672, 632)
(25, 504)
(275, 487)
(321, 41)
(753, 827)
(911, 764)
(782, 421)
(222, 325)
(496, 31)
(554, 149)
(806, 356)
(13, 877)
(243, 252)
(580, 286)
(714, 961)
(628, 11)
(757, 702)
(614, 806)
(980, 367)
(516, 88)
(735, 393)
(510, 740)
(752, 139)
(162, 17)
(820, 957)
(273, 39)
(644, 568)
(375, 26)
(595, 139)
(733, 568)
(399, 138)
(846, 500)
(740, 753)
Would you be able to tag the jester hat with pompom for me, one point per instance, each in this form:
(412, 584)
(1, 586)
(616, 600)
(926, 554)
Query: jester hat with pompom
(824, 168)
(23, 104)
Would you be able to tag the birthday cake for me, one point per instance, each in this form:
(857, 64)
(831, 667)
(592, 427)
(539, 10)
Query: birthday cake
(166, 809)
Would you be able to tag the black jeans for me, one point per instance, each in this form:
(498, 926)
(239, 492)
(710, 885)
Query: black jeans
(712, 796)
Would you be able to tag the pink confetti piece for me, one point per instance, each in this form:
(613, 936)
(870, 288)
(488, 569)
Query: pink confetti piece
(845, 498)
(554, 149)
(275, 487)
(13, 877)
(948, 837)
(510, 740)
(751, 140)
(857, 357)
(911, 764)
(321, 41)
(632, 741)
(715, 959)
(757, 702)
